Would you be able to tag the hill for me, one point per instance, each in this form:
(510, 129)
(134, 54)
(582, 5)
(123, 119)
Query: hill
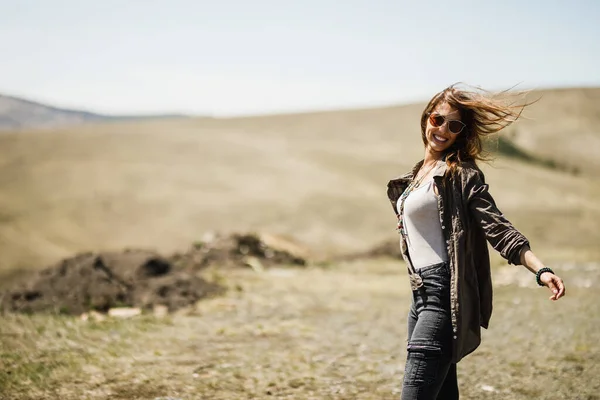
(318, 177)
(18, 113)
(563, 127)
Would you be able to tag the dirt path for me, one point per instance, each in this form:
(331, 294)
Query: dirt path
(322, 333)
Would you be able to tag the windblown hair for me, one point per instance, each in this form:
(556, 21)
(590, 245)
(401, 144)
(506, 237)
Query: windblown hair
(482, 112)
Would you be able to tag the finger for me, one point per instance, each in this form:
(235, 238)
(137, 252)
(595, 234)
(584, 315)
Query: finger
(552, 286)
(553, 289)
(561, 288)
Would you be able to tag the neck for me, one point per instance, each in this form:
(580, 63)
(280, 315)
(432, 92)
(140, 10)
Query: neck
(431, 157)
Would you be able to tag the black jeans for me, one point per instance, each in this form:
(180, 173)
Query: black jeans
(430, 373)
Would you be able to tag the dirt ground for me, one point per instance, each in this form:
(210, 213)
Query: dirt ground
(335, 332)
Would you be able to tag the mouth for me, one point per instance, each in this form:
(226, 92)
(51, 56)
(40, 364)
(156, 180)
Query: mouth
(440, 139)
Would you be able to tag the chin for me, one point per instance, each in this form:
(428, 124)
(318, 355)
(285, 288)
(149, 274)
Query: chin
(437, 148)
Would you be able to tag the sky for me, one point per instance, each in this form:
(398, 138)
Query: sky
(225, 57)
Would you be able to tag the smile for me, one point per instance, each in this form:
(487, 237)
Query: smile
(440, 139)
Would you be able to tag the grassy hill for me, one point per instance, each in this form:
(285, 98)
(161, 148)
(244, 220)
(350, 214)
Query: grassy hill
(318, 177)
(563, 127)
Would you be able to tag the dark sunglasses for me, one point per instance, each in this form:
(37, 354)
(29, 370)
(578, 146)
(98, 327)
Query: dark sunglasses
(454, 126)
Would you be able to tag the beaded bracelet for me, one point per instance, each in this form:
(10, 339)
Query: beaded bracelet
(539, 274)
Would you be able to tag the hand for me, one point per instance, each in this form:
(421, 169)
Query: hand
(554, 283)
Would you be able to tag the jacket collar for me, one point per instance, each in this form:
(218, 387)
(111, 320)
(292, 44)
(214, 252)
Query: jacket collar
(440, 170)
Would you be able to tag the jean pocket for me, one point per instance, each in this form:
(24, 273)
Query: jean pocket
(435, 270)
(422, 363)
(436, 284)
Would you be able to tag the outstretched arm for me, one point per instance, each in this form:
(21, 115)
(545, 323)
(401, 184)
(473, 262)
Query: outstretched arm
(503, 236)
(550, 280)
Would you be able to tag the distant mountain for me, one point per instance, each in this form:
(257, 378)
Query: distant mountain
(18, 113)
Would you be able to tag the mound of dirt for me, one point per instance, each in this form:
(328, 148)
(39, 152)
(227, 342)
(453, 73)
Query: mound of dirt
(88, 281)
(144, 279)
(241, 250)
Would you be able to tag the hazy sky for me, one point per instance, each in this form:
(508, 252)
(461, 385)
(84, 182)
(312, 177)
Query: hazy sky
(229, 57)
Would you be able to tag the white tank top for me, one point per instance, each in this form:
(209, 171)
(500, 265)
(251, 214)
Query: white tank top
(421, 219)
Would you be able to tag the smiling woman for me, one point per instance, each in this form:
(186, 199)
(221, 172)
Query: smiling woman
(445, 215)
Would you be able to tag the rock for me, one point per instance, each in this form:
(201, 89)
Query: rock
(92, 316)
(254, 263)
(488, 388)
(96, 316)
(160, 311)
(124, 312)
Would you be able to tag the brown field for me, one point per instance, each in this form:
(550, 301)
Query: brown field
(333, 331)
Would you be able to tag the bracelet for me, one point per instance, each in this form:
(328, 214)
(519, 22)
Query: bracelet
(539, 274)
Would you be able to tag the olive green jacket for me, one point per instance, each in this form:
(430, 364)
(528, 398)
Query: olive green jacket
(469, 216)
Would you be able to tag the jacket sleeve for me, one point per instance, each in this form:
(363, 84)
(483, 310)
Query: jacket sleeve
(499, 232)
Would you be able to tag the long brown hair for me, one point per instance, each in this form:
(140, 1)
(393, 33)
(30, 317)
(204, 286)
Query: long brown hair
(484, 113)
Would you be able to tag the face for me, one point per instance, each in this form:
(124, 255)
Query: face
(440, 138)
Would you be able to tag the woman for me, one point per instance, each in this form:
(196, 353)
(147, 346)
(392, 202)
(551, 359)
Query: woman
(445, 215)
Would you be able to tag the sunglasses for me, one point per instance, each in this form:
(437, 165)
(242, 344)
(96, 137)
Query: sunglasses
(454, 126)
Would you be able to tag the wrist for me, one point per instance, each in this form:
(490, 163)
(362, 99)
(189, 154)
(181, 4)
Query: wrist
(539, 273)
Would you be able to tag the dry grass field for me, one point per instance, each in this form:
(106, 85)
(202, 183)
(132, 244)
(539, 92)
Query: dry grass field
(332, 331)
(316, 333)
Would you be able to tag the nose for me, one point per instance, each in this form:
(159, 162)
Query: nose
(444, 127)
